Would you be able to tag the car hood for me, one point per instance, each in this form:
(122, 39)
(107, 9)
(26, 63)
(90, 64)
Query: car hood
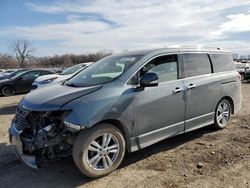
(46, 77)
(63, 77)
(53, 97)
(58, 79)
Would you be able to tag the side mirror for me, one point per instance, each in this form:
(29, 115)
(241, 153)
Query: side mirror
(149, 79)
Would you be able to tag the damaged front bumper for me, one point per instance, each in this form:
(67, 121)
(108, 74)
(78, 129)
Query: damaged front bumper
(42, 136)
(15, 139)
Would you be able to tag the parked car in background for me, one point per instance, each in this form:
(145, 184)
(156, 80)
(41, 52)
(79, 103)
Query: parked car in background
(244, 70)
(20, 82)
(1, 71)
(125, 102)
(42, 81)
(12, 74)
(7, 72)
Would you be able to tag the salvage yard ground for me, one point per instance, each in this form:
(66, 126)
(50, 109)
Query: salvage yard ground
(203, 158)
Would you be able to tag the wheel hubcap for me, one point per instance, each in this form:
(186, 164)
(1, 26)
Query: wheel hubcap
(223, 113)
(8, 91)
(103, 152)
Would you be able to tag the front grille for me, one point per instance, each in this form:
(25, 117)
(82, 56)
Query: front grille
(20, 119)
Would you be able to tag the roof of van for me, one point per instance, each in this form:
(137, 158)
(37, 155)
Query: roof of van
(176, 49)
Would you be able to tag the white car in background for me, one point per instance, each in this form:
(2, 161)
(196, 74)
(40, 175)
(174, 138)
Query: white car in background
(46, 80)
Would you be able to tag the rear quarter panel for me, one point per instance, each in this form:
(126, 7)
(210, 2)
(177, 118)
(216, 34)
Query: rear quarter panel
(231, 87)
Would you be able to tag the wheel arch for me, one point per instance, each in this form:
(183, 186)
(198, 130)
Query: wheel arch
(121, 126)
(9, 86)
(230, 100)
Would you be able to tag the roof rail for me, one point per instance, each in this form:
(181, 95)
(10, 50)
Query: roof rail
(200, 47)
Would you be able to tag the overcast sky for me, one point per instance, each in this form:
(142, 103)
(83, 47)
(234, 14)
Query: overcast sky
(61, 26)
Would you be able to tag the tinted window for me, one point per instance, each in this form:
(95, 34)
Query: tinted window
(222, 62)
(45, 72)
(196, 64)
(164, 66)
(31, 75)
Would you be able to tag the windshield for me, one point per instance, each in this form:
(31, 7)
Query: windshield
(103, 71)
(71, 70)
(240, 66)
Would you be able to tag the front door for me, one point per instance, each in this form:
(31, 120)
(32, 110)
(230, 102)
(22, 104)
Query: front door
(159, 111)
(26, 80)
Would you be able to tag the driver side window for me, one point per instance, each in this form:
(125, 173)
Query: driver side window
(166, 68)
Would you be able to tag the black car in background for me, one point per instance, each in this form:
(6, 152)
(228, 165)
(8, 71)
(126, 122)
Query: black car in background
(21, 82)
(12, 74)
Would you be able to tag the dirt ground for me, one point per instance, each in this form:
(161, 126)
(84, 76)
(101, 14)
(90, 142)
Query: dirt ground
(203, 158)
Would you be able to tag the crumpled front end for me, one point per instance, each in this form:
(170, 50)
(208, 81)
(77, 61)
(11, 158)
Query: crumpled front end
(39, 136)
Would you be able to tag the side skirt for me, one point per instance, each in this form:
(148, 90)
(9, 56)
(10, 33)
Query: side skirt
(155, 136)
(158, 135)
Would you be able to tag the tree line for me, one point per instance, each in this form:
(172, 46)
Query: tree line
(236, 57)
(21, 57)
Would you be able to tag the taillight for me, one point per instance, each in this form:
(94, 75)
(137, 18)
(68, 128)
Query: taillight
(238, 76)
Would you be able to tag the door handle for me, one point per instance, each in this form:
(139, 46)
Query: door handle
(177, 90)
(191, 86)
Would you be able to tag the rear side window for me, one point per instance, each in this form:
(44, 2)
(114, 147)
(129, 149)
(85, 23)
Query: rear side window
(222, 62)
(31, 75)
(197, 64)
(45, 72)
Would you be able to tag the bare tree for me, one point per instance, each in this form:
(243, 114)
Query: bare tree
(7, 61)
(4, 60)
(242, 57)
(235, 56)
(22, 50)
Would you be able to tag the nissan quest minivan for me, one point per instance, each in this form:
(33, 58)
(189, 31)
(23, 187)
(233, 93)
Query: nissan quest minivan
(126, 102)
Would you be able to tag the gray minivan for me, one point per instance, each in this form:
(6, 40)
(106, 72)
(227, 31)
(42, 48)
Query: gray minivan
(126, 102)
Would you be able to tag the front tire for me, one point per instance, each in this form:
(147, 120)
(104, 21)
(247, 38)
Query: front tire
(222, 114)
(98, 151)
(8, 91)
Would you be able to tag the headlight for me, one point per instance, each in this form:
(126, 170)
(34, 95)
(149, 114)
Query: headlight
(48, 80)
(73, 126)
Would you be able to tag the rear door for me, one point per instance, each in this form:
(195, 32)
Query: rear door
(202, 90)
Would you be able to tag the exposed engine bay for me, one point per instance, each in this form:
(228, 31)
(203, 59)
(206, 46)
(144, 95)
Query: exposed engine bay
(44, 134)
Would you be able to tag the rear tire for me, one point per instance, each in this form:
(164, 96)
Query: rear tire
(98, 151)
(222, 114)
(8, 91)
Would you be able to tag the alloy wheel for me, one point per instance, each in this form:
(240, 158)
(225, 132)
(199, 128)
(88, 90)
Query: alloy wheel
(103, 151)
(223, 113)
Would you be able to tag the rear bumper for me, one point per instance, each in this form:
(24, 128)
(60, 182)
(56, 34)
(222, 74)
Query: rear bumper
(16, 141)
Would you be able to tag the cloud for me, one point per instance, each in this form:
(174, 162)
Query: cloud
(236, 23)
(109, 24)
